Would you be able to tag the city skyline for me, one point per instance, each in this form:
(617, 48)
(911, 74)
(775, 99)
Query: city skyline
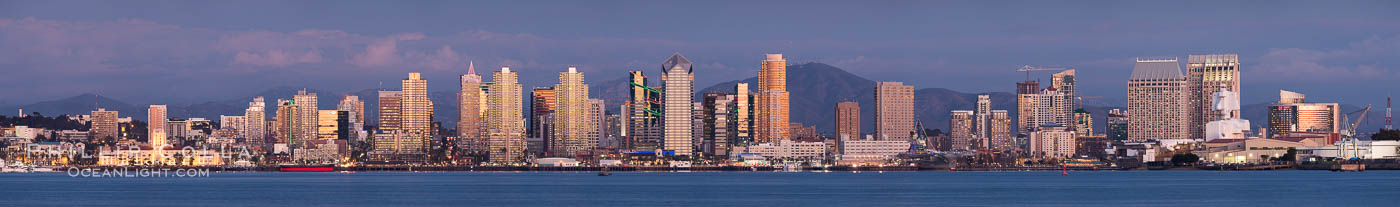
(259, 51)
(698, 103)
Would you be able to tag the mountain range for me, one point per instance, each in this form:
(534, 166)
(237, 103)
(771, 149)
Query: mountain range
(814, 89)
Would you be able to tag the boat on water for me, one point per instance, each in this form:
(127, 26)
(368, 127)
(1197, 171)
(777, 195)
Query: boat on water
(23, 168)
(604, 172)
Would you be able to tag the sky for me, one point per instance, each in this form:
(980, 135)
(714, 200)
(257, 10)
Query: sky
(181, 52)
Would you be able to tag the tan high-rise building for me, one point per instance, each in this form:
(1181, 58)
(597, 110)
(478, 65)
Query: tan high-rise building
(504, 118)
(104, 124)
(469, 112)
(388, 137)
(771, 100)
(999, 136)
(595, 123)
(894, 111)
(255, 132)
(1026, 93)
(848, 120)
(157, 118)
(677, 95)
(960, 130)
(390, 103)
(1205, 75)
(304, 130)
(572, 124)
(287, 118)
(417, 112)
(1157, 101)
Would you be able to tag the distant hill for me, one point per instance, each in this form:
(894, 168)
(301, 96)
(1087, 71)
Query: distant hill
(80, 104)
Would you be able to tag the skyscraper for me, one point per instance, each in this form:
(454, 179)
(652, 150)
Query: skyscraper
(848, 120)
(332, 124)
(894, 111)
(961, 125)
(999, 136)
(354, 110)
(771, 100)
(104, 124)
(503, 118)
(983, 129)
(643, 114)
(388, 139)
(255, 132)
(572, 125)
(1157, 101)
(542, 105)
(469, 112)
(156, 135)
(1054, 104)
(417, 112)
(1207, 74)
(595, 125)
(1083, 122)
(285, 124)
(1026, 95)
(304, 127)
(743, 115)
(678, 81)
(1117, 126)
(718, 124)
(390, 114)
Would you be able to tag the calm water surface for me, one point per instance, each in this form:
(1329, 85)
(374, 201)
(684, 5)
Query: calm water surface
(1126, 188)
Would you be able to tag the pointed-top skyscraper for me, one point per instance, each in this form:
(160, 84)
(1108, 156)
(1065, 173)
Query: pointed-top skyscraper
(469, 112)
(678, 81)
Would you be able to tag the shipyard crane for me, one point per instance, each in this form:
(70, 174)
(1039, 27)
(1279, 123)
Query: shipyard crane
(1028, 69)
(1349, 147)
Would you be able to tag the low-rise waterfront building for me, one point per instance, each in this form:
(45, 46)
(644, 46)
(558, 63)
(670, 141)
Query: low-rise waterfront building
(785, 149)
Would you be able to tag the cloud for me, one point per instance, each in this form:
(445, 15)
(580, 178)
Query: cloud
(276, 58)
(1370, 59)
(384, 52)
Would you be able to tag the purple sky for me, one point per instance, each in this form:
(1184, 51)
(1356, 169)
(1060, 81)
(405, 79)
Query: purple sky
(183, 51)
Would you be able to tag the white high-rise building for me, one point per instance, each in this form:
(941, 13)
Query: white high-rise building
(255, 132)
(678, 81)
(304, 129)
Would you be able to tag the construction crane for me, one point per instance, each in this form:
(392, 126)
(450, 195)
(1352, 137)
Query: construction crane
(1349, 133)
(1028, 69)
(1080, 99)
